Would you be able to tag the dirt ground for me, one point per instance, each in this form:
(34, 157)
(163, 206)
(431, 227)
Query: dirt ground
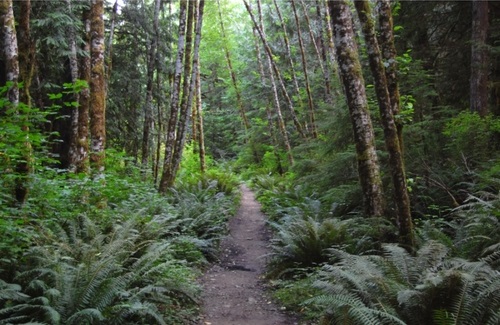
(234, 290)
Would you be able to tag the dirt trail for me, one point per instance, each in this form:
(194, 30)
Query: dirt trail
(234, 291)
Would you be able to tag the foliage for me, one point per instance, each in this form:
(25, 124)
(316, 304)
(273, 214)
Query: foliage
(397, 288)
(68, 259)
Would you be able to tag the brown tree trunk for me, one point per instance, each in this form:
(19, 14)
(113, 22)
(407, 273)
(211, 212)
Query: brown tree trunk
(289, 52)
(324, 55)
(310, 104)
(239, 101)
(109, 49)
(480, 60)
(10, 56)
(82, 145)
(275, 69)
(73, 67)
(272, 66)
(396, 165)
(352, 79)
(148, 109)
(386, 38)
(199, 123)
(97, 88)
(195, 14)
(166, 178)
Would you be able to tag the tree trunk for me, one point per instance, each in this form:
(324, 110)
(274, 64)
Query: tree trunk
(260, 30)
(166, 178)
(109, 49)
(10, 56)
(97, 88)
(199, 123)
(196, 16)
(310, 104)
(148, 109)
(73, 67)
(352, 79)
(386, 37)
(289, 52)
(272, 66)
(324, 55)
(239, 101)
(82, 145)
(480, 60)
(396, 164)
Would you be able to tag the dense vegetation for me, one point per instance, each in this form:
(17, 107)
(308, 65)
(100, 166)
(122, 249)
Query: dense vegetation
(99, 225)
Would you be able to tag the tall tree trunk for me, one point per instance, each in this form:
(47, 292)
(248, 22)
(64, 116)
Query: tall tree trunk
(82, 145)
(289, 52)
(479, 58)
(270, 119)
(312, 119)
(74, 71)
(275, 69)
(26, 52)
(97, 88)
(272, 66)
(396, 164)
(324, 54)
(148, 105)
(227, 53)
(389, 54)
(352, 78)
(166, 178)
(199, 123)
(10, 56)
(196, 15)
(109, 49)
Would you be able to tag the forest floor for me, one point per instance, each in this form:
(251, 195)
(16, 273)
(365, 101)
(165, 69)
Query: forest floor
(235, 290)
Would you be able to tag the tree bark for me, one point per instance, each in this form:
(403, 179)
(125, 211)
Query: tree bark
(396, 165)
(148, 109)
(272, 66)
(166, 178)
(352, 79)
(389, 54)
(275, 69)
(289, 53)
(479, 58)
(199, 123)
(10, 56)
(310, 104)
(73, 67)
(82, 145)
(97, 88)
(227, 53)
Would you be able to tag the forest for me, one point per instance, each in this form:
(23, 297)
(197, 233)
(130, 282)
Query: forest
(369, 131)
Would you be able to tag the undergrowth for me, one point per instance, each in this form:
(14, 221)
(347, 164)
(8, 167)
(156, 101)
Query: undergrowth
(113, 251)
(348, 269)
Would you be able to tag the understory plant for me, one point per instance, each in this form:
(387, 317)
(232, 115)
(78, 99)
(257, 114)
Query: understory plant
(113, 252)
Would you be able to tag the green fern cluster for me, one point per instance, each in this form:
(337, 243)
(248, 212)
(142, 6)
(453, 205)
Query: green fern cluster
(397, 288)
(83, 276)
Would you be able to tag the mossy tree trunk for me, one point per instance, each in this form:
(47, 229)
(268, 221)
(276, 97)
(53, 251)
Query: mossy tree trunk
(396, 165)
(10, 57)
(305, 70)
(354, 87)
(97, 88)
(480, 60)
(274, 69)
(82, 145)
(389, 55)
(148, 105)
(166, 180)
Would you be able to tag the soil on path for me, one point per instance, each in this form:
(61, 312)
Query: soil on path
(234, 289)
